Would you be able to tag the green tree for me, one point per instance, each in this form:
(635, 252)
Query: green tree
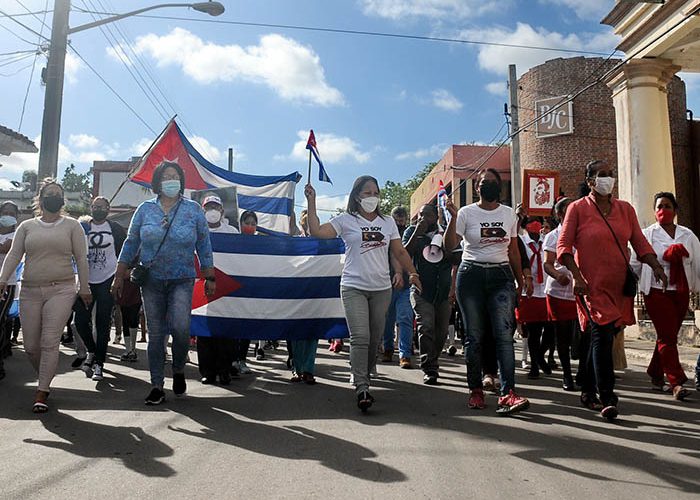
(74, 182)
(395, 194)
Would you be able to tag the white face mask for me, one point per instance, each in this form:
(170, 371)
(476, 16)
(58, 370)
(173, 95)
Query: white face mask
(604, 185)
(213, 216)
(369, 204)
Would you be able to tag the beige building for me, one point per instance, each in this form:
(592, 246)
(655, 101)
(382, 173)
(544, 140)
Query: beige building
(660, 39)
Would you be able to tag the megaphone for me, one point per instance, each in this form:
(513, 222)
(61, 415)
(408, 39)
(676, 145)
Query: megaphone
(433, 253)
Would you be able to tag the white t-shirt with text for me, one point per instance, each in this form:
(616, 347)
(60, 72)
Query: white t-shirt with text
(366, 250)
(102, 255)
(486, 233)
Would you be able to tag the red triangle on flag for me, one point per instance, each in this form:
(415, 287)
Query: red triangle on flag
(225, 285)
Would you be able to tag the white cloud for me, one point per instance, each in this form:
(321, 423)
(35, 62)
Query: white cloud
(83, 141)
(73, 67)
(496, 59)
(497, 88)
(118, 53)
(210, 152)
(324, 202)
(435, 152)
(585, 9)
(433, 9)
(331, 147)
(292, 70)
(443, 99)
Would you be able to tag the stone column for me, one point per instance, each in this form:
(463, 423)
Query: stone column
(644, 155)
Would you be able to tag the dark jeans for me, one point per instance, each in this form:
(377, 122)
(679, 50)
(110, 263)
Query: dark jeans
(215, 355)
(488, 293)
(103, 301)
(240, 349)
(598, 374)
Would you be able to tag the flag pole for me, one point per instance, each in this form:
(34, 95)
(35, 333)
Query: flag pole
(309, 177)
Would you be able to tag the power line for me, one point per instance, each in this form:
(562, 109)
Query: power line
(24, 14)
(23, 25)
(133, 111)
(359, 32)
(31, 75)
(17, 52)
(16, 35)
(15, 59)
(127, 63)
(16, 72)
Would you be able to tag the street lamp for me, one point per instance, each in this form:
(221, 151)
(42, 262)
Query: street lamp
(53, 97)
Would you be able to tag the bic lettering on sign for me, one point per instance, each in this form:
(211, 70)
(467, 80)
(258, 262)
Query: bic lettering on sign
(554, 120)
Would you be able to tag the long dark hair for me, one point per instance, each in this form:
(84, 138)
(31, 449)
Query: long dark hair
(354, 205)
(157, 179)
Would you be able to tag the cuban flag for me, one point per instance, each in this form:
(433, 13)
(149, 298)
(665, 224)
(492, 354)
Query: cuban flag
(311, 146)
(270, 197)
(442, 201)
(272, 288)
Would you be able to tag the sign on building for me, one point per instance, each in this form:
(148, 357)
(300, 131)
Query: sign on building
(557, 122)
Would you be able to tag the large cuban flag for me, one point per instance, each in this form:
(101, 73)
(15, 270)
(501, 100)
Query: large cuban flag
(270, 197)
(271, 287)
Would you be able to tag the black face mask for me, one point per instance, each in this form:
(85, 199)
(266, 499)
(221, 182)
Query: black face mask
(52, 203)
(99, 214)
(489, 191)
(401, 230)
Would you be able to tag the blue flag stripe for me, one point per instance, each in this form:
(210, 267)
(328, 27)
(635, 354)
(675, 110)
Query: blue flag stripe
(282, 206)
(287, 288)
(242, 244)
(265, 329)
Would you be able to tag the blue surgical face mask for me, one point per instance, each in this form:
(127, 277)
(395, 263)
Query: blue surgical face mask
(170, 188)
(8, 221)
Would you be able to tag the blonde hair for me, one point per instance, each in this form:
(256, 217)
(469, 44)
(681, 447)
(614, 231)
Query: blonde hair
(48, 181)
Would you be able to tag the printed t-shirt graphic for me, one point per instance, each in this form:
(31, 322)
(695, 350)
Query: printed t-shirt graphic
(102, 257)
(486, 233)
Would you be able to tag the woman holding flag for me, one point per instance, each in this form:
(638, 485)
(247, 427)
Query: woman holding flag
(366, 283)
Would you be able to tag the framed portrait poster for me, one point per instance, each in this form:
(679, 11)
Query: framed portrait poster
(540, 191)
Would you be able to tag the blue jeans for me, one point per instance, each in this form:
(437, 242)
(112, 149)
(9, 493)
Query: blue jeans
(168, 308)
(487, 295)
(401, 312)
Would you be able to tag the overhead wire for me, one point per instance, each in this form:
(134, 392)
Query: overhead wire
(16, 35)
(360, 32)
(118, 96)
(123, 57)
(36, 56)
(23, 25)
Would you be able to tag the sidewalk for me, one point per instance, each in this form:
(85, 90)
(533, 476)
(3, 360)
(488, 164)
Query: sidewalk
(640, 351)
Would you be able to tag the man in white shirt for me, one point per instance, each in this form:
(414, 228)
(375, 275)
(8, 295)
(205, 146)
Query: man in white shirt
(215, 354)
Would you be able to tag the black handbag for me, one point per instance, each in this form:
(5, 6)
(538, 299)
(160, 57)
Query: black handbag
(139, 273)
(629, 288)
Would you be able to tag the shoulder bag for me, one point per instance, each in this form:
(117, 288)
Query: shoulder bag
(629, 289)
(139, 273)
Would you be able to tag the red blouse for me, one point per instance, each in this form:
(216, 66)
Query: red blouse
(599, 259)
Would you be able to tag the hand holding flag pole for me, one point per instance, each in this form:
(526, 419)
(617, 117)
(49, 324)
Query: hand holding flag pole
(313, 150)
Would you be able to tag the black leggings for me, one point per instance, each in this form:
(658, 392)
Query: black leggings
(536, 332)
(565, 332)
(130, 317)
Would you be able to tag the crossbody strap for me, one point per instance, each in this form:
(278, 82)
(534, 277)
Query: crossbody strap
(624, 256)
(177, 207)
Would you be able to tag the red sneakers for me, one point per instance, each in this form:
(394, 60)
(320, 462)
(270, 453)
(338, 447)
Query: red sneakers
(476, 399)
(511, 403)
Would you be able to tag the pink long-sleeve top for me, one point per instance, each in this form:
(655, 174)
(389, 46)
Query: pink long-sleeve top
(599, 258)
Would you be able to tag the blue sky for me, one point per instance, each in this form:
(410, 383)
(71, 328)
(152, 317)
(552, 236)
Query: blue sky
(382, 106)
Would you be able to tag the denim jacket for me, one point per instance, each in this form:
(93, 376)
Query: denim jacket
(175, 260)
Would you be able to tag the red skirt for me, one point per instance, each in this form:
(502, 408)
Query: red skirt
(531, 310)
(561, 310)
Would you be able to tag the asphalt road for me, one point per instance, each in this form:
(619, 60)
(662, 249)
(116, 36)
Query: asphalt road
(263, 437)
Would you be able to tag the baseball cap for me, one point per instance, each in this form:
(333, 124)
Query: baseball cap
(212, 198)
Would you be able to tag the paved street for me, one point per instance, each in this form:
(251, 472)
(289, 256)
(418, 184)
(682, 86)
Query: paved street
(266, 438)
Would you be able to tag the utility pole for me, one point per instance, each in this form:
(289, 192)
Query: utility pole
(515, 180)
(53, 97)
(230, 159)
